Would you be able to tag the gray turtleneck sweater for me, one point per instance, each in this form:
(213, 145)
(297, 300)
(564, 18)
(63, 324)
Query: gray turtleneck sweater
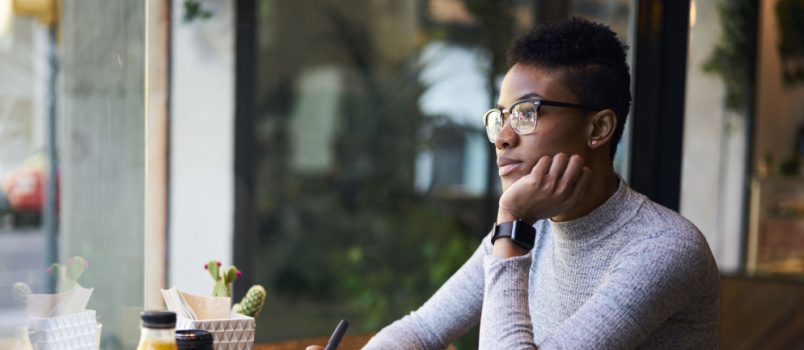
(630, 275)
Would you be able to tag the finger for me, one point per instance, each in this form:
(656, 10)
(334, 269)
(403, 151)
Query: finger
(558, 166)
(542, 166)
(314, 347)
(573, 170)
(580, 186)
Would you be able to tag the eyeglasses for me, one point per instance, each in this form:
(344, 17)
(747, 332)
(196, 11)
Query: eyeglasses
(523, 116)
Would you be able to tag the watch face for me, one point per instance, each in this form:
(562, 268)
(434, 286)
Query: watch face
(523, 234)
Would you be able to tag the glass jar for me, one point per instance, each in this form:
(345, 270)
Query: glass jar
(158, 331)
(14, 338)
(194, 339)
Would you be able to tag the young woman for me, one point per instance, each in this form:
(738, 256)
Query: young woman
(576, 259)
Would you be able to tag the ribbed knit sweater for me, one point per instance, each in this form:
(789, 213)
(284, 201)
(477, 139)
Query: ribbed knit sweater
(629, 275)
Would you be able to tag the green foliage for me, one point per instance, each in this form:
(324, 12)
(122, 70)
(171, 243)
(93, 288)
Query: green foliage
(392, 268)
(790, 21)
(193, 10)
(789, 165)
(357, 233)
(729, 59)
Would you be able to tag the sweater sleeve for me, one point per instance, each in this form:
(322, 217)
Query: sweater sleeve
(452, 311)
(505, 322)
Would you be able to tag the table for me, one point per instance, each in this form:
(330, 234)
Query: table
(349, 342)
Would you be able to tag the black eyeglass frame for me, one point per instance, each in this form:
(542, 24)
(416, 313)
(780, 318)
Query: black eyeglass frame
(536, 102)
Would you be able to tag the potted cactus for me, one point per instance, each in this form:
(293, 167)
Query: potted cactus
(252, 302)
(66, 277)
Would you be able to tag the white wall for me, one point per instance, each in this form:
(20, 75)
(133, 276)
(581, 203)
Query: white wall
(201, 145)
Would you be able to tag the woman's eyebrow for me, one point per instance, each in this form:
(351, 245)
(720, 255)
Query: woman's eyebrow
(524, 97)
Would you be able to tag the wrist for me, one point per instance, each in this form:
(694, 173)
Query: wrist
(505, 248)
(512, 238)
(505, 216)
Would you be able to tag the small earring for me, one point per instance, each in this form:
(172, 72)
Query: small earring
(594, 142)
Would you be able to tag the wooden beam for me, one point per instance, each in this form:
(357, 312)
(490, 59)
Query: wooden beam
(157, 126)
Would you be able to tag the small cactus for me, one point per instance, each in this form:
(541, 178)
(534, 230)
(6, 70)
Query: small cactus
(21, 291)
(251, 305)
(222, 287)
(67, 275)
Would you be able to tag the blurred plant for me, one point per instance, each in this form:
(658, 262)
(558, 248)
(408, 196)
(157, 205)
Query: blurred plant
(790, 21)
(788, 165)
(193, 9)
(381, 248)
(728, 59)
(21, 290)
(356, 233)
(66, 275)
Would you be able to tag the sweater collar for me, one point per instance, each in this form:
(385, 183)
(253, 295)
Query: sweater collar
(601, 222)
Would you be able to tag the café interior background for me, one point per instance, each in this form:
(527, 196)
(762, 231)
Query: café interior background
(372, 178)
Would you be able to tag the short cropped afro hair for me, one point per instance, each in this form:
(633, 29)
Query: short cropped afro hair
(590, 59)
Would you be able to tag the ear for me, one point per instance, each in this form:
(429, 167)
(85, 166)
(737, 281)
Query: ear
(600, 129)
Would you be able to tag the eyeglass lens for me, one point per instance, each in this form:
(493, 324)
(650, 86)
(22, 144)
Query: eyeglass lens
(523, 119)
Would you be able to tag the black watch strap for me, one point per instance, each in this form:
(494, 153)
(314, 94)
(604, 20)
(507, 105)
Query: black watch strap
(518, 231)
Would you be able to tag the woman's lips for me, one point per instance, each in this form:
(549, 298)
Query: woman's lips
(508, 168)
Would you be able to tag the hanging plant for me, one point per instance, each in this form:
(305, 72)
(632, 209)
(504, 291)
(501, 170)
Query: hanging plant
(790, 19)
(729, 59)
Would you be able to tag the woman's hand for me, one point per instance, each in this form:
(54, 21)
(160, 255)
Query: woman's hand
(554, 185)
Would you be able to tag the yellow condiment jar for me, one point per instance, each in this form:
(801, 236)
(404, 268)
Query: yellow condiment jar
(158, 331)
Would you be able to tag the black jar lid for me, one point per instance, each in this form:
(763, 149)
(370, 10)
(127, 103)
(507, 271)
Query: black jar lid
(193, 337)
(158, 319)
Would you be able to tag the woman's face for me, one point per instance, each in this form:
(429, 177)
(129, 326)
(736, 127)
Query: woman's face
(558, 129)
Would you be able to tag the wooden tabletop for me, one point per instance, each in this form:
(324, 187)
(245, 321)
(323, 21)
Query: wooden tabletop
(349, 342)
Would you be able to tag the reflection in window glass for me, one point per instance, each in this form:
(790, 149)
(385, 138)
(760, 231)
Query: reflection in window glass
(373, 166)
(375, 178)
(714, 141)
(23, 157)
(91, 64)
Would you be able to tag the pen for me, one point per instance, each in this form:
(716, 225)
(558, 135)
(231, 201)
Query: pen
(333, 342)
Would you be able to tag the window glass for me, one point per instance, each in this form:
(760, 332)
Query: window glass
(714, 134)
(372, 164)
(776, 205)
(375, 179)
(74, 79)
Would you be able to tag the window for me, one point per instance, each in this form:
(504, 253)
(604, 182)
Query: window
(96, 78)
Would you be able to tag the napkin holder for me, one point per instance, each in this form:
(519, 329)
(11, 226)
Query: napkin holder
(233, 333)
(70, 332)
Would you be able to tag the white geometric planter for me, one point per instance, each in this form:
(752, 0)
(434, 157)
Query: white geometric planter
(70, 332)
(235, 333)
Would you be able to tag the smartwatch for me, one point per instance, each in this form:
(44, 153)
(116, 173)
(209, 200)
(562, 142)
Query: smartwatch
(518, 231)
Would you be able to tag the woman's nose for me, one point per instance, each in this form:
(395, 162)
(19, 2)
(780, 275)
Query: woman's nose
(507, 137)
